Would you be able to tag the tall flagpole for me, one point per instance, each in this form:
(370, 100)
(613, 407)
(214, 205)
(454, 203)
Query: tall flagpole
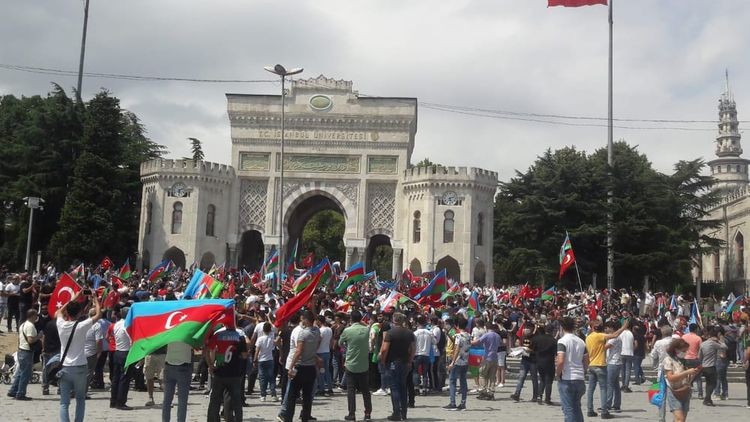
(83, 50)
(610, 163)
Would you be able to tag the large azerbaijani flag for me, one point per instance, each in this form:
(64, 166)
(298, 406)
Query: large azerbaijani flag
(567, 257)
(272, 262)
(152, 325)
(476, 354)
(317, 274)
(394, 299)
(437, 285)
(125, 271)
(202, 286)
(158, 271)
(548, 294)
(734, 306)
(354, 275)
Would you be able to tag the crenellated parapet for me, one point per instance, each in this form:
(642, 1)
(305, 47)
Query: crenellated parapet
(166, 169)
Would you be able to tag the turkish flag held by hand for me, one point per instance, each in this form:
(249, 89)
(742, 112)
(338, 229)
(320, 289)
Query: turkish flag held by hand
(575, 3)
(65, 289)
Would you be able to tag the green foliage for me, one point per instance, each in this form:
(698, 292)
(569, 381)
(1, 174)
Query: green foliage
(84, 160)
(426, 162)
(196, 148)
(382, 262)
(324, 235)
(657, 218)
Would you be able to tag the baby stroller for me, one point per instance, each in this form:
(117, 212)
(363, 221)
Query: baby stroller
(9, 367)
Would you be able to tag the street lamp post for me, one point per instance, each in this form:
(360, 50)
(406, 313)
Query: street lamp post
(283, 73)
(33, 203)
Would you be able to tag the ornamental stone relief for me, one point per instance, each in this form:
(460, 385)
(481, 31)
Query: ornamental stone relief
(253, 204)
(349, 189)
(254, 161)
(321, 163)
(382, 164)
(381, 206)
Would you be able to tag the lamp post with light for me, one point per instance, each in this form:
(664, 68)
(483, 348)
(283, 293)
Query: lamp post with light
(34, 203)
(283, 73)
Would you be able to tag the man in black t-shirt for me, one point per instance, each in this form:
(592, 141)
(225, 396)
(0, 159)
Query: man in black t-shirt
(26, 296)
(397, 352)
(50, 347)
(545, 347)
(226, 354)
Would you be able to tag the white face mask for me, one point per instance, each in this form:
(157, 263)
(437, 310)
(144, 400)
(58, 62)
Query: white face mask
(681, 355)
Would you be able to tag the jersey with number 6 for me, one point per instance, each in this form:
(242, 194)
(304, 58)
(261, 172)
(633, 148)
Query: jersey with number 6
(229, 346)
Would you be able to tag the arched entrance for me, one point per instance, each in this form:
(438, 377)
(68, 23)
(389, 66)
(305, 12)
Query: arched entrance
(251, 250)
(318, 222)
(415, 267)
(480, 273)
(207, 261)
(380, 256)
(175, 255)
(451, 267)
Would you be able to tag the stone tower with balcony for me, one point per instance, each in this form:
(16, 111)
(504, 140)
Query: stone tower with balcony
(729, 168)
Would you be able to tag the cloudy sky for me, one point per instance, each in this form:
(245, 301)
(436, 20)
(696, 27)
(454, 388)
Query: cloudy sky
(507, 55)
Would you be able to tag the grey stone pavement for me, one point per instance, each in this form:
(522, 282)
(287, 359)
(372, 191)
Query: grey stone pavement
(635, 407)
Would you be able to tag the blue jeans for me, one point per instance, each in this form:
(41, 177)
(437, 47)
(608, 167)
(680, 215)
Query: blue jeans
(74, 378)
(722, 385)
(176, 376)
(597, 375)
(570, 399)
(614, 395)
(265, 371)
(458, 373)
(423, 369)
(324, 378)
(627, 368)
(285, 400)
(693, 363)
(398, 373)
(385, 380)
(527, 367)
(24, 363)
(638, 370)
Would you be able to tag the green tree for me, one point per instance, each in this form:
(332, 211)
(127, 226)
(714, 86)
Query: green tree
(657, 218)
(196, 148)
(425, 162)
(324, 235)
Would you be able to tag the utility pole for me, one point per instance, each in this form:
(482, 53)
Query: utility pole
(83, 49)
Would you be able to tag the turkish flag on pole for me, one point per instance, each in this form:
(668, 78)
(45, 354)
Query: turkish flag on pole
(575, 3)
(65, 289)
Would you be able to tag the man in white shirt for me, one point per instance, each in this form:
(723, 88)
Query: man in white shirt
(324, 352)
(27, 337)
(658, 354)
(571, 365)
(120, 376)
(75, 366)
(178, 366)
(628, 348)
(12, 294)
(101, 326)
(92, 348)
(425, 343)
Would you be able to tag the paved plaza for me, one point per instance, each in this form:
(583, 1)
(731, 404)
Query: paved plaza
(429, 408)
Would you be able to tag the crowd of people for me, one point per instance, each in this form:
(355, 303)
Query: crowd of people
(355, 343)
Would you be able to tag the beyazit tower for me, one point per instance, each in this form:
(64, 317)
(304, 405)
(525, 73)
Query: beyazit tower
(729, 169)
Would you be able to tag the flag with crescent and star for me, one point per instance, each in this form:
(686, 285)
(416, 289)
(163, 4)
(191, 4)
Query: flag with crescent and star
(65, 289)
(567, 257)
(152, 325)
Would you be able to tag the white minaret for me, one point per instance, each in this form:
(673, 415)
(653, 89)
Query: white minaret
(729, 169)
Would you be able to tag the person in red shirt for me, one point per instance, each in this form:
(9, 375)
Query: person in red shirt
(694, 341)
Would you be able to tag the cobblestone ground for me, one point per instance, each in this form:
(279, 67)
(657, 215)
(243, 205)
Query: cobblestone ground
(429, 408)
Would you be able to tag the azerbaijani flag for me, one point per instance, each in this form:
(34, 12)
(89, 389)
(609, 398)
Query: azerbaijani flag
(202, 285)
(152, 325)
(354, 275)
(673, 303)
(452, 291)
(476, 354)
(548, 294)
(567, 257)
(575, 3)
(302, 281)
(158, 271)
(300, 299)
(125, 271)
(734, 306)
(272, 262)
(437, 285)
(474, 309)
(78, 271)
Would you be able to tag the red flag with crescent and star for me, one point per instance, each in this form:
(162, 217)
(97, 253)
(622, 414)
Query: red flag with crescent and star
(567, 257)
(65, 289)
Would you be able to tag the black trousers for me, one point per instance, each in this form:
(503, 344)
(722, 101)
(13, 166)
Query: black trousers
(546, 377)
(709, 373)
(227, 390)
(98, 381)
(23, 308)
(13, 312)
(120, 380)
(304, 382)
(359, 381)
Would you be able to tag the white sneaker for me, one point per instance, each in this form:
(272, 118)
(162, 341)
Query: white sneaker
(263, 398)
(474, 391)
(388, 391)
(500, 385)
(380, 392)
(274, 398)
